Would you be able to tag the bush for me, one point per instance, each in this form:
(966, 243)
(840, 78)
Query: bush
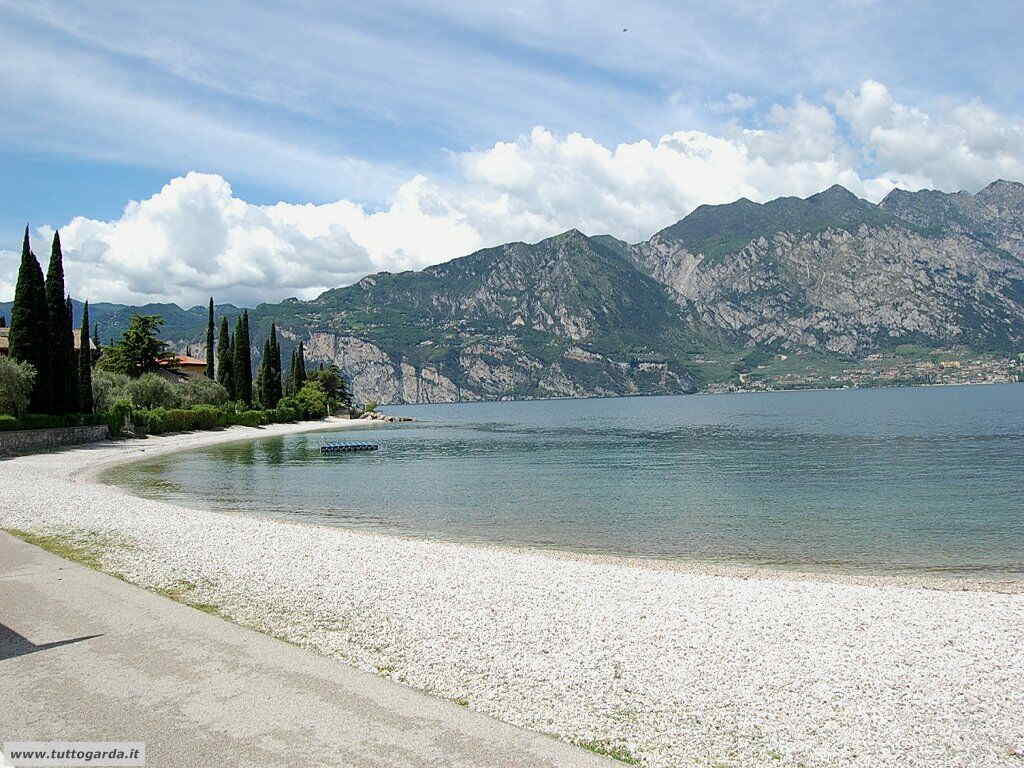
(151, 390)
(119, 414)
(160, 421)
(312, 400)
(283, 414)
(249, 418)
(108, 388)
(202, 391)
(16, 381)
(209, 416)
(8, 422)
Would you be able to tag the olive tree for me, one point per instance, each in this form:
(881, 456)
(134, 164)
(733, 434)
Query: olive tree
(17, 379)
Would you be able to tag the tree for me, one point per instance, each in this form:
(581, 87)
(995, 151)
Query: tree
(200, 390)
(243, 360)
(96, 340)
(225, 361)
(288, 382)
(275, 390)
(73, 397)
(263, 377)
(30, 327)
(210, 374)
(151, 390)
(139, 351)
(16, 385)
(61, 346)
(3, 321)
(300, 367)
(312, 400)
(333, 383)
(85, 401)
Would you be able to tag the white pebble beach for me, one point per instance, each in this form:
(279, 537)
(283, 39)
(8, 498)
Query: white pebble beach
(669, 664)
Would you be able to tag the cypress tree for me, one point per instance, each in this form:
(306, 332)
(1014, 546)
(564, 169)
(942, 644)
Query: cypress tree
(61, 347)
(243, 360)
(275, 390)
(210, 374)
(3, 321)
(30, 327)
(263, 394)
(300, 367)
(73, 398)
(84, 364)
(225, 362)
(96, 338)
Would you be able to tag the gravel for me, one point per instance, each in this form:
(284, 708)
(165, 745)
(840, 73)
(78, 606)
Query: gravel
(673, 666)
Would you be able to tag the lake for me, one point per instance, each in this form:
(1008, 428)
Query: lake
(923, 479)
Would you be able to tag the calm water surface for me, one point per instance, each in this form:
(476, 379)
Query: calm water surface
(894, 479)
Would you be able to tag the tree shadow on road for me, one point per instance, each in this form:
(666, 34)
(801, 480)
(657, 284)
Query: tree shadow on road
(12, 644)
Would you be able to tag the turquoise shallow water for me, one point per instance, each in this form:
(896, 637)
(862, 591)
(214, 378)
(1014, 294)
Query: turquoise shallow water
(889, 479)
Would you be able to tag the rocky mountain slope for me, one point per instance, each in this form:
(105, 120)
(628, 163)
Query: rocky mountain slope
(578, 316)
(837, 273)
(566, 317)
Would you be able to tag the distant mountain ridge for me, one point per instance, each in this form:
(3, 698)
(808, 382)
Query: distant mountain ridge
(582, 316)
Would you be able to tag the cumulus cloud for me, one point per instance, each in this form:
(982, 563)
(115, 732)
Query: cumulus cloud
(966, 145)
(195, 237)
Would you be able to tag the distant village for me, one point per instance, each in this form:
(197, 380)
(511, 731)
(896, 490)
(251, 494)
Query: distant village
(915, 367)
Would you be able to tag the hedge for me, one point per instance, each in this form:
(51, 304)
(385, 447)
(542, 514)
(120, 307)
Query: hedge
(159, 421)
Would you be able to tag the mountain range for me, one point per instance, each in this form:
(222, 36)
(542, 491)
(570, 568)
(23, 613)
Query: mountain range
(578, 316)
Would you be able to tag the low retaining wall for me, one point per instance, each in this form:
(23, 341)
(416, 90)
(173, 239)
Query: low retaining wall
(31, 440)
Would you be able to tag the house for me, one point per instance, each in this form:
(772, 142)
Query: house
(5, 341)
(187, 368)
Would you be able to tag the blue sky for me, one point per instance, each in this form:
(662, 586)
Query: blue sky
(399, 134)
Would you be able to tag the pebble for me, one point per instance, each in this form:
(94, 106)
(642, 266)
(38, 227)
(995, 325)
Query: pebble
(678, 667)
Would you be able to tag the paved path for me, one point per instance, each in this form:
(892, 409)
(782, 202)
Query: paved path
(87, 657)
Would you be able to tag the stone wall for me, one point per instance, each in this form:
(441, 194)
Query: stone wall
(30, 440)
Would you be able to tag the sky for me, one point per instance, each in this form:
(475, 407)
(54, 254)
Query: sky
(255, 151)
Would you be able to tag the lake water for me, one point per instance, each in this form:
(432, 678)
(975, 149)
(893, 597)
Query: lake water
(887, 479)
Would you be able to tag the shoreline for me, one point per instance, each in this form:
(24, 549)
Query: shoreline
(670, 666)
(953, 580)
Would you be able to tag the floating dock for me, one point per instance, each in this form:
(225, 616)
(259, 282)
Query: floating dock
(331, 448)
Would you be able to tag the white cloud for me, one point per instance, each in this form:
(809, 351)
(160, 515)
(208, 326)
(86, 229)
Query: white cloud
(195, 238)
(733, 102)
(964, 146)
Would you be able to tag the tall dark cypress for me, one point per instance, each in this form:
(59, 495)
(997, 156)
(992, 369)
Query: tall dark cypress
(300, 367)
(61, 346)
(210, 369)
(263, 394)
(73, 398)
(3, 321)
(30, 327)
(84, 364)
(243, 360)
(275, 389)
(225, 361)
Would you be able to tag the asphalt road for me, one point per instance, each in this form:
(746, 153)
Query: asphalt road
(87, 657)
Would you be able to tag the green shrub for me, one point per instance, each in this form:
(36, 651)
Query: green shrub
(208, 417)
(250, 418)
(8, 422)
(284, 414)
(202, 391)
(107, 389)
(151, 390)
(119, 414)
(16, 381)
(312, 400)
